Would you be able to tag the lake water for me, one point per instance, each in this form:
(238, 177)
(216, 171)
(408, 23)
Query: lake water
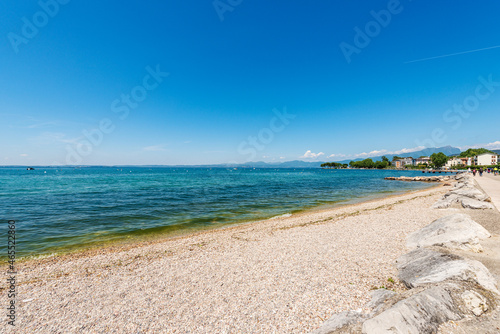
(65, 208)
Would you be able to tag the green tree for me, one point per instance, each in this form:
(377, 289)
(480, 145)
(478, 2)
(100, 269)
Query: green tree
(385, 159)
(439, 159)
(473, 152)
(381, 164)
(367, 163)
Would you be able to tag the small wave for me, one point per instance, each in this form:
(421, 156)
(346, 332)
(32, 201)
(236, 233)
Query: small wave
(286, 215)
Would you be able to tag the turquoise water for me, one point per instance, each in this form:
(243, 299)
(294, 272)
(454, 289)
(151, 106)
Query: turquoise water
(62, 208)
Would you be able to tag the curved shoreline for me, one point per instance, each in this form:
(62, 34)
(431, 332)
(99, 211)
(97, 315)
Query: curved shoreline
(291, 273)
(154, 238)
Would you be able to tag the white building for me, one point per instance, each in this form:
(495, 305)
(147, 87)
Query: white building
(486, 159)
(454, 162)
(408, 161)
(466, 161)
(422, 160)
(400, 163)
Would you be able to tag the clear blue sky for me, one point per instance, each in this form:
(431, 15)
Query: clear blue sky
(229, 67)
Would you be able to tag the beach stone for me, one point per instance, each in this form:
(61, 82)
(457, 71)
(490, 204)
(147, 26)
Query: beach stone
(420, 313)
(424, 266)
(470, 203)
(469, 192)
(436, 178)
(346, 320)
(425, 310)
(457, 231)
(446, 202)
(340, 321)
(379, 296)
(462, 176)
(464, 183)
(441, 204)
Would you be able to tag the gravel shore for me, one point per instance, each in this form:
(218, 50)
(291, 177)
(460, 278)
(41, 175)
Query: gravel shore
(284, 275)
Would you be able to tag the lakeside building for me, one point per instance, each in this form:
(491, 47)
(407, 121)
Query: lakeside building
(486, 159)
(454, 162)
(401, 163)
(466, 161)
(398, 163)
(423, 161)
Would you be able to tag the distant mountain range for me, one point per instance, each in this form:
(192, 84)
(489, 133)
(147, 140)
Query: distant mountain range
(448, 150)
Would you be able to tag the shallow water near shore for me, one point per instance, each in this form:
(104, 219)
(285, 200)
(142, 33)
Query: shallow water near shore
(58, 209)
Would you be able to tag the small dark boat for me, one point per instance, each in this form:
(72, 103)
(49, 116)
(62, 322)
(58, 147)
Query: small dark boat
(30, 168)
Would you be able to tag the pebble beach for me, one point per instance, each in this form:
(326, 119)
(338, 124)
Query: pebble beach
(283, 275)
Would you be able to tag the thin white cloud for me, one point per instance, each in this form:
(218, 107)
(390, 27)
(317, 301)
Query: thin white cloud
(282, 157)
(311, 155)
(41, 125)
(337, 155)
(155, 148)
(23, 155)
(375, 153)
(408, 150)
(491, 146)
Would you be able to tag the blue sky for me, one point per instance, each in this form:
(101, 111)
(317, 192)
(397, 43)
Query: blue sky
(87, 83)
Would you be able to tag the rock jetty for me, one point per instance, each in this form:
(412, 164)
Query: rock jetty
(433, 178)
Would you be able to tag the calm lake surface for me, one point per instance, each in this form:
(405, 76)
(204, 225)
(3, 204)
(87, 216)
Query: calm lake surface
(59, 209)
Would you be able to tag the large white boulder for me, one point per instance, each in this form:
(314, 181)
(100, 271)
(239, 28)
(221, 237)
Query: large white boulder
(470, 192)
(470, 203)
(457, 231)
(424, 311)
(420, 313)
(341, 321)
(423, 266)
(446, 202)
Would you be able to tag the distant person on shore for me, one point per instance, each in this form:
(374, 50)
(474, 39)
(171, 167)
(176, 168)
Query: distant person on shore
(495, 171)
(481, 171)
(474, 172)
(468, 170)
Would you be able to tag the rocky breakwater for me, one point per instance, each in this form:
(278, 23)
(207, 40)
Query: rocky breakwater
(433, 178)
(466, 193)
(442, 286)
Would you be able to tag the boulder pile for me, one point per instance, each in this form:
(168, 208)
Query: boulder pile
(466, 193)
(434, 178)
(442, 286)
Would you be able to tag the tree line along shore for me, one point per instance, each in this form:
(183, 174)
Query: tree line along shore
(471, 158)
